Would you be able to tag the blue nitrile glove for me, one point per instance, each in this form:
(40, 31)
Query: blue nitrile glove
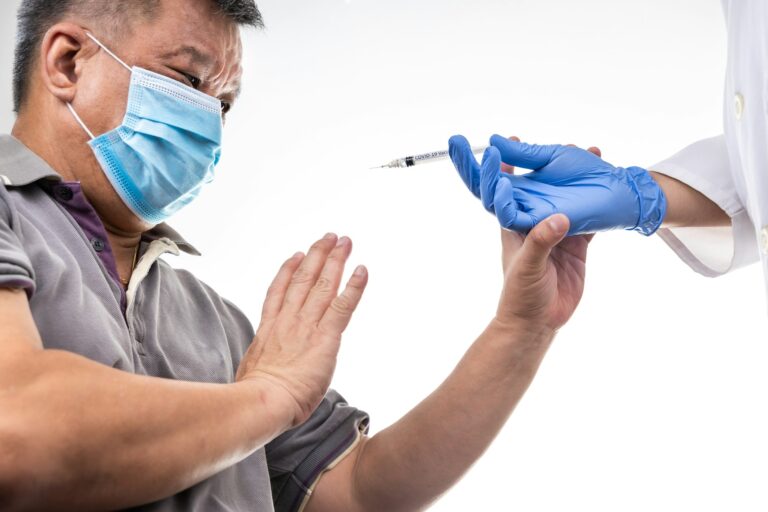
(592, 193)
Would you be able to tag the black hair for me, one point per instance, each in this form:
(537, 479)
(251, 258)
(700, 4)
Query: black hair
(35, 17)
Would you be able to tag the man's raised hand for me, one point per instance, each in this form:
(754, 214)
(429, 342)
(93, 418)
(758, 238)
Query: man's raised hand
(303, 318)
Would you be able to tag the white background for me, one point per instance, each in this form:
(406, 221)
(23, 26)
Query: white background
(654, 396)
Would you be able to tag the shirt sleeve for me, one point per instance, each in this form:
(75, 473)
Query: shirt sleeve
(711, 251)
(298, 457)
(15, 267)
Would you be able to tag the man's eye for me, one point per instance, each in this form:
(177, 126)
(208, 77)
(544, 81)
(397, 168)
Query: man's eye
(225, 107)
(193, 80)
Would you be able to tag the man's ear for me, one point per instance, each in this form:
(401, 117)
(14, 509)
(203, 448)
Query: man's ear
(63, 51)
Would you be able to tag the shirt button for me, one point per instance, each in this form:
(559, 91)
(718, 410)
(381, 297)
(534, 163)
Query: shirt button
(64, 193)
(738, 106)
(764, 239)
(98, 244)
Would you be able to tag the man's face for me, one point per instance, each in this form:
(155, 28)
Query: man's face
(186, 41)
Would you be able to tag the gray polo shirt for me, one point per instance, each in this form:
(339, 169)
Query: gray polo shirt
(169, 324)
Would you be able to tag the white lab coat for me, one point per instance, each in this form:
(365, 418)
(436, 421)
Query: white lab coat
(732, 169)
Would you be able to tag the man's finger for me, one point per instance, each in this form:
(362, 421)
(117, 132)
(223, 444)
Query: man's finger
(327, 285)
(465, 163)
(276, 292)
(339, 313)
(489, 177)
(540, 241)
(305, 276)
(520, 154)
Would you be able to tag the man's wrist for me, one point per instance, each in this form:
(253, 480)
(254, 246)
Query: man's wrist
(521, 331)
(272, 410)
(518, 346)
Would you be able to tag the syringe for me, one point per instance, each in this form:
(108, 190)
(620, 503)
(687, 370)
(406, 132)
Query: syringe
(426, 158)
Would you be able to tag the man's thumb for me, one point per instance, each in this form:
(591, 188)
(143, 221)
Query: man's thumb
(542, 238)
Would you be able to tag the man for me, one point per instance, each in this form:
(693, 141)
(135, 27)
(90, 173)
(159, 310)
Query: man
(125, 383)
(710, 200)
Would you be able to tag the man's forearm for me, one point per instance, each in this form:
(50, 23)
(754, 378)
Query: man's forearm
(687, 207)
(430, 448)
(77, 435)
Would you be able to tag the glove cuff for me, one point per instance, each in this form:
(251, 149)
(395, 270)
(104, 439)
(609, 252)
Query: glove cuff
(653, 202)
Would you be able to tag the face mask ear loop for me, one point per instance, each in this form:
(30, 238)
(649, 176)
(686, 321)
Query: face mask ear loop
(126, 66)
(79, 121)
(69, 105)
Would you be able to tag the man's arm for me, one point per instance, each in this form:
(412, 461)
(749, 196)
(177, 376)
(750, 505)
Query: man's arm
(410, 464)
(77, 435)
(413, 462)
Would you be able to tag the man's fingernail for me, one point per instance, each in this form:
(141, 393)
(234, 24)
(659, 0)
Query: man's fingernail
(557, 223)
(360, 271)
(329, 236)
(342, 241)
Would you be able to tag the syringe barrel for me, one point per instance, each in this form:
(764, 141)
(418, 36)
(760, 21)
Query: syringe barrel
(426, 158)
(435, 156)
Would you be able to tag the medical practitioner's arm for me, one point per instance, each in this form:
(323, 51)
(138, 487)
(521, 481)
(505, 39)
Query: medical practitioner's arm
(711, 231)
(689, 199)
(413, 462)
(594, 194)
(78, 435)
(687, 207)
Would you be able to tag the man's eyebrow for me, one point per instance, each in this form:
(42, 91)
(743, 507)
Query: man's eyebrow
(196, 55)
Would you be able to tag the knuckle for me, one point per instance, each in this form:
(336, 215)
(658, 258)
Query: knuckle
(322, 285)
(537, 237)
(301, 276)
(343, 305)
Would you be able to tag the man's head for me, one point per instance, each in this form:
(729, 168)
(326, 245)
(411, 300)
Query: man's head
(196, 42)
(37, 16)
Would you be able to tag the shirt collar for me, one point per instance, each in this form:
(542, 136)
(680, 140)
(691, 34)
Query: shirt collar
(20, 166)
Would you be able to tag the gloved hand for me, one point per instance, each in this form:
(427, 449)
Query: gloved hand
(592, 193)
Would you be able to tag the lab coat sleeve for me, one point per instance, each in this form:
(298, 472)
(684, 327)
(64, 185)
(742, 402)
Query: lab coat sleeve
(711, 251)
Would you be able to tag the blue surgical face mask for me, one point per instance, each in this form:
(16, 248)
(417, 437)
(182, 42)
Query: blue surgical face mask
(166, 148)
